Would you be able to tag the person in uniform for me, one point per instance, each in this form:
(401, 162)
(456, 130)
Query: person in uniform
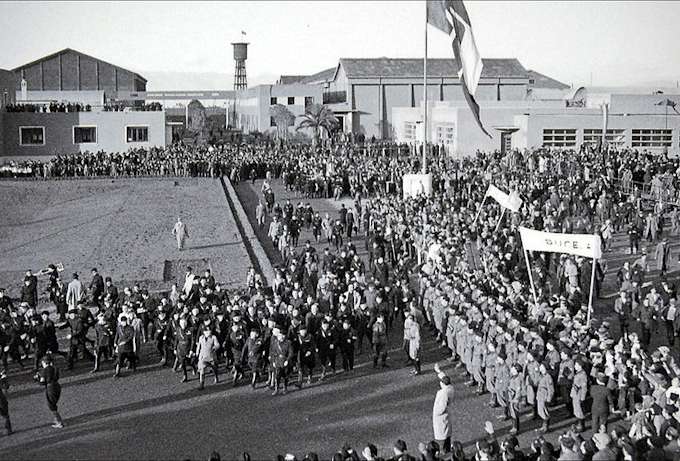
(48, 376)
(181, 233)
(579, 392)
(280, 355)
(515, 396)
(4, 404)
(490, 374)
(206, 351)
(236, 342)
(184, 347)
(306, 355)
(252, 355)
(602, 403)
(501, 381)
(163, 337)
(348, 337)
(379, 341)
(126, 345)
(544, 395)
(77, 338)
(327, 342)
(412, 334)
(102, 343)
(532, 377)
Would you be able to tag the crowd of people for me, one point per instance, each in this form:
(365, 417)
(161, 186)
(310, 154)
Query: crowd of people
(51, 107)
(451, 263)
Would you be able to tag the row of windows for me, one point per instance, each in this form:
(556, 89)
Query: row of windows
(274, 100)
(445, 133)
(566, 137)
(35, 135)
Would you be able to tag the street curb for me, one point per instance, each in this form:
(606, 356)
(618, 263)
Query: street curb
(252, 243)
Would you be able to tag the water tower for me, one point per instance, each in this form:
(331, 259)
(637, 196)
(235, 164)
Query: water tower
(240, 56)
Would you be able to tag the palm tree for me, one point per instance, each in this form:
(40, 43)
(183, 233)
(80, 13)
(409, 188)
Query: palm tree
(283, 118)
(318, 117)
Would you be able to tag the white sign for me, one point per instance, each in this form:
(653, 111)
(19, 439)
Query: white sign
(586, 245)
(416, 184)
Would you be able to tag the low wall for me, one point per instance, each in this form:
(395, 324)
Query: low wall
(250, 240)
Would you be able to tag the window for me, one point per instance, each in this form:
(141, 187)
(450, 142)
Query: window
(272, 122)
(32, 135)
(615, 137)
(272, 101)
(84, 134)
(309, 100)
(410, 131)
(445, 133)
(652, 138)
(291, 100)
(559, 137)
(137, 134)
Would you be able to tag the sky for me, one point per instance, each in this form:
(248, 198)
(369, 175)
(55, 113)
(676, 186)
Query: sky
(179, 46)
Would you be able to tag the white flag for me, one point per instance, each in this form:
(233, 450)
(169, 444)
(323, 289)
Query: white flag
(510, 201)
(587, 245)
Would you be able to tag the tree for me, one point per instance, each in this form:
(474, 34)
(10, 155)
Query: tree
(283, 118)
(318, 117)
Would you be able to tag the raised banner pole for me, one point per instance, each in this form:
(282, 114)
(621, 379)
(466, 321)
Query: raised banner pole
(531, 277)
(425, 95)
(590, 296)
(500, 218)
(480, 210)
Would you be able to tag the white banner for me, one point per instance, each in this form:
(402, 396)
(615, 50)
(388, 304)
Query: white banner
(510, 201)
(586, 245)
(416, 184)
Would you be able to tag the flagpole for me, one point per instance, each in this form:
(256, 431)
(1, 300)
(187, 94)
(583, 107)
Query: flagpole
(531, 277)
(590, 296)
(425, 95)
(480, 209)
(500, 218)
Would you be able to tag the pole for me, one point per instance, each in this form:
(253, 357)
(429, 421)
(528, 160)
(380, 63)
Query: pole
(425, 95)
(479, 211)
(500, 218)
(590, 296)
(531, 277)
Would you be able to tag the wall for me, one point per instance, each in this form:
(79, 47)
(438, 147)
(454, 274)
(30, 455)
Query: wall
(91, 97)
(592, 118)
(111, 131)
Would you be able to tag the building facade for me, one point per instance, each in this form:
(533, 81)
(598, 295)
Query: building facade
(73, 71)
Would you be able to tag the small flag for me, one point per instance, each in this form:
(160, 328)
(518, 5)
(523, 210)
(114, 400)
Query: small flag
(243, 32)
(451, 17)
(668, 103)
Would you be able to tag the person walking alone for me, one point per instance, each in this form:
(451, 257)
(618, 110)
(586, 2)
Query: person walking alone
(181, 233)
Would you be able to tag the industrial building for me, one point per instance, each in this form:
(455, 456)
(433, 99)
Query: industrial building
(379, 98)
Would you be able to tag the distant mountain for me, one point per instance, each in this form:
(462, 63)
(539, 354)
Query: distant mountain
(182, 81)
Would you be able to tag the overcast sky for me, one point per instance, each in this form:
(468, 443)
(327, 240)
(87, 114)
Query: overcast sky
(620, 43)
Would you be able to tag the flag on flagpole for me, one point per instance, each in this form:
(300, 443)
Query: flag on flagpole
(668, 103)
(451, 17)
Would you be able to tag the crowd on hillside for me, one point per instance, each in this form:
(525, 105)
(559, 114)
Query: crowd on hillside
(440, 263)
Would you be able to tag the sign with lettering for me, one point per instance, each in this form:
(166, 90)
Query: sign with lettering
(587, 245)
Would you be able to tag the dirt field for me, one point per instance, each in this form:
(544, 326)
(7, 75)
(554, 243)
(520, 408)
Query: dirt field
(122, 227)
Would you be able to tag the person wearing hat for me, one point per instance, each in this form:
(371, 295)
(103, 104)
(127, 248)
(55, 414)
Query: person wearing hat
(77, 338)
(327, 340)
(4, 404)
(206, 353)
(578, 394)
(162, 332)
(379, 341)
(102, 343)
(281, 354)
(442, 410)
(29, 291)
(544, 395)
(48, 376)
(347, 339)
(515, 392)
(501, 381)
(565, 377)
(305, 348)
(184, 347)
(96, 287)
(125, 345)
(252, 355)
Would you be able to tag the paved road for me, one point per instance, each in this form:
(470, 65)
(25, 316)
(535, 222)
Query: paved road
(150, 415)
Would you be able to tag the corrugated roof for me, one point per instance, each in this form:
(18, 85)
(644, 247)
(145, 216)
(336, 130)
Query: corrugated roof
(71, 50)
(413, 67)
(320, 77)
(289, 79)
(543, 81)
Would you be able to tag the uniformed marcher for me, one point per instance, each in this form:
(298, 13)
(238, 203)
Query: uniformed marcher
(253, 355)
(544, 395)
(126, 346)
(305, 349)
(206, 353)
(579, 392)
(379, 341)
(4, 404)
(514, 396)
(184, 347)
(48, 376)
(280, 355)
